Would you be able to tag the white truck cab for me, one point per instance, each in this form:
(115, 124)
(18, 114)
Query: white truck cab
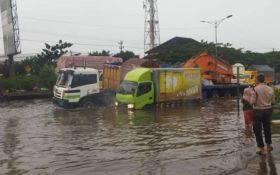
(76, 87)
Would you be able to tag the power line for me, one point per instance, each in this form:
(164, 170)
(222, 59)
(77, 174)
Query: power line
(77, 23)
(81, 44)
(69, 35)
(113, 27)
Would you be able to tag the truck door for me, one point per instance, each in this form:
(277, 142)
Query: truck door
(87, 84)
(144, 95)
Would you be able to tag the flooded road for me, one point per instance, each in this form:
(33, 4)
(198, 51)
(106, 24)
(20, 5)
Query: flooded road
(210, 138)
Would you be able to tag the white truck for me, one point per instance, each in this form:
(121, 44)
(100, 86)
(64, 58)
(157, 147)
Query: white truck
(80, 87)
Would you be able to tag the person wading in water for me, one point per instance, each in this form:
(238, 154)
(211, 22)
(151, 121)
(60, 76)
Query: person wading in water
(262, 99)
(247, 107)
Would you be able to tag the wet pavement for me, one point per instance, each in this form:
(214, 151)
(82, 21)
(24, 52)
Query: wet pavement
(210, 138)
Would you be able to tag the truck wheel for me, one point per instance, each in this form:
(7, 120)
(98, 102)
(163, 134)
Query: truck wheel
(227, 94)
(88, 104)
(215, 94)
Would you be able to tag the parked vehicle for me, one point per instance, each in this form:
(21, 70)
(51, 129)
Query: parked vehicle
(83, 87)
(263, 69)
(238, 71)
(144, 86)
(212, 67)
(250, 77)
(217, 75)
(87, 87)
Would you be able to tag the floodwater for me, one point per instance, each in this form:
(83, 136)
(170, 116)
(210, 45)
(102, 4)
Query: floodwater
(210, 138)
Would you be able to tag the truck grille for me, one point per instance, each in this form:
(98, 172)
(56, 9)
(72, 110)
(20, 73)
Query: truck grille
(58, 93)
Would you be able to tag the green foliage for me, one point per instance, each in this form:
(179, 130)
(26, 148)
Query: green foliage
(46, 79)
(42, 75)
(277, 95)
(19, 83)
(175, 54)
(47, 76)
(48, 56)
(102, 53)
(126, 55)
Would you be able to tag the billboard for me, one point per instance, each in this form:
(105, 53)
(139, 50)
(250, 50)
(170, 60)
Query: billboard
(9, 27)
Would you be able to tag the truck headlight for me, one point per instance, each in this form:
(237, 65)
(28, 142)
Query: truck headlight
(116, 103)
(130, 106)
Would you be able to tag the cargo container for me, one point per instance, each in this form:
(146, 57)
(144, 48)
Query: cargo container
(143, 86)
(111, 77)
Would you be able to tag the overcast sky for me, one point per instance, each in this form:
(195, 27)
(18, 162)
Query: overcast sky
(100, 24)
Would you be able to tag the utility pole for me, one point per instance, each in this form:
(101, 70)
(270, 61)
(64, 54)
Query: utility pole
(121, 47)
(216, 24)
(151, 34)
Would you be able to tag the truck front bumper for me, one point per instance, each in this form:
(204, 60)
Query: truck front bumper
(64, 103)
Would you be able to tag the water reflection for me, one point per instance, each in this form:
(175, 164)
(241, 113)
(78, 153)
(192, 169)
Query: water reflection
(123, 117)
(267, 165)
(10, 142)
(37, 138)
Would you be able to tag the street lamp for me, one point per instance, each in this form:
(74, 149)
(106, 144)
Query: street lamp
(216, 24)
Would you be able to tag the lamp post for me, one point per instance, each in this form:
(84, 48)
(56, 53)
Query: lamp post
(216, 24)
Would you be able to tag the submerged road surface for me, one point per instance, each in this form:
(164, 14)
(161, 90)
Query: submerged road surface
(37, 138)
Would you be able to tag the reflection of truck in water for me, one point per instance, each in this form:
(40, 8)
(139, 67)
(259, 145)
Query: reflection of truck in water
(143, 86)
(80, 87)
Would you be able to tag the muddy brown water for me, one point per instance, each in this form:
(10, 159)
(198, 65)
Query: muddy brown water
(210, 138)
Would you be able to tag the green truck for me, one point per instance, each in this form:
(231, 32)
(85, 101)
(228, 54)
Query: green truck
(143, 86)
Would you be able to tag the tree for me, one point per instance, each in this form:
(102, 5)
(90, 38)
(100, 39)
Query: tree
(52, 53)
(47, 76)
(49, 55)
(126, 55)
(102, 53)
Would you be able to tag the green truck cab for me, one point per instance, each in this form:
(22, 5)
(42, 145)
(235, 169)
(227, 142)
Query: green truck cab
(143, 86)
(136, 90)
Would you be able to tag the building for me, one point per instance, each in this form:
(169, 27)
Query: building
(174, 42)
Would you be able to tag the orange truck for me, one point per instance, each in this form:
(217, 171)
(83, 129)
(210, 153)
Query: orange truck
(212, 68)
(218, 72)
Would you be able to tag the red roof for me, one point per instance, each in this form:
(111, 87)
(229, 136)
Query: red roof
(96, 62)
(133, 63)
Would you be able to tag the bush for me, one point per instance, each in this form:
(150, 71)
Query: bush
(19, 83)
(45, 79)
(47, 76)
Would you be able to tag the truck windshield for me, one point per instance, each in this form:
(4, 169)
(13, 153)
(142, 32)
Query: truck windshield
(128, 87)
(64, 79)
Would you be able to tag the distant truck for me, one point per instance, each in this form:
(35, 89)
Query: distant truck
(266, 70)
(217, 75)
(86, 87)
(144, 86)
(212, 68)
(250, 77)
(238, 71)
